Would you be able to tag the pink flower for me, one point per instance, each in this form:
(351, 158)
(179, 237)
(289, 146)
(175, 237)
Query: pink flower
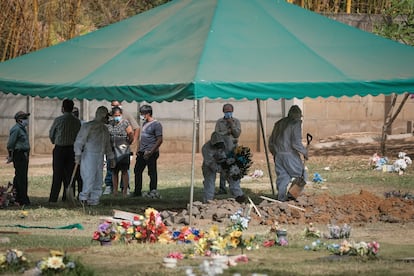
(176, 255)
(242, 259)
(374, 247)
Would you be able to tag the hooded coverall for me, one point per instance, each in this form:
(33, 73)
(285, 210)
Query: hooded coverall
(212, 155)
(285, 150)
(92, 143)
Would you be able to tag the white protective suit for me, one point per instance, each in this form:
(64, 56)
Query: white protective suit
(285, 144)
(92, 143)
(213, 155)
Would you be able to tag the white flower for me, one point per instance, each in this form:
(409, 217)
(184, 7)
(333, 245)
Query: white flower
(55, 263)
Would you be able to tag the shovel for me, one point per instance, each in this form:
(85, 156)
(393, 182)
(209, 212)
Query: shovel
(70, 197)
(295, 188)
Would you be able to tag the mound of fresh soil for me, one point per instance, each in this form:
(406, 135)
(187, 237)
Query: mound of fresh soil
(363, 207)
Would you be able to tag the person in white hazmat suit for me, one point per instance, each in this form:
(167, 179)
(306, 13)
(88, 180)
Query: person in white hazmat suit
(285, 144)
(214, 154)
(91, 144)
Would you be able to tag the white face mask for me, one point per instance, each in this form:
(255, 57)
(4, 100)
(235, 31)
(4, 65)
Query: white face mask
(142, 117)
(25, 122)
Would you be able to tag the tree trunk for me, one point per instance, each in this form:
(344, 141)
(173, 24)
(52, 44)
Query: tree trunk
(390, 118)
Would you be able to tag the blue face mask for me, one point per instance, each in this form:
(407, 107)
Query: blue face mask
(228, 115)
(117, 118)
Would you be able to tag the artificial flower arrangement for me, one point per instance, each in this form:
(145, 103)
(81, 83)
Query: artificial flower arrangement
(238, 162)
(337, 232)
(355, 248)
(57, 262)
(346, 247)
(7, 195)
(281, 236)
(311, 231)
(401, 164)
(239, 223)
(213, 242)
(150, 228)
(377, 162)
(317, 178)
(106, 232)
(187, 234)
(13, 260)
(143, 228)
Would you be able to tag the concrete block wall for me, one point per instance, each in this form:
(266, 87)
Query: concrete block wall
(335, 116)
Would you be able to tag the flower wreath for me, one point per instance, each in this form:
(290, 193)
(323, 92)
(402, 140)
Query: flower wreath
(238, 163)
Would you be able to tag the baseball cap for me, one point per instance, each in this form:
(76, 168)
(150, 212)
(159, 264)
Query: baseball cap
(21, 115)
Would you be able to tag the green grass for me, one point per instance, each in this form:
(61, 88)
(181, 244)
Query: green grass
(345, 176)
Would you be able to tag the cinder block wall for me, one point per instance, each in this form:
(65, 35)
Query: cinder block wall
(335, 116)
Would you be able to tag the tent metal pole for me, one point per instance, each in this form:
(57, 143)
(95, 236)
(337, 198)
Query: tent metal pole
(193, 152)
(264, 145)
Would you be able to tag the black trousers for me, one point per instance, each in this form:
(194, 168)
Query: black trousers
(21, 166)
(63, 163)
(140, 165)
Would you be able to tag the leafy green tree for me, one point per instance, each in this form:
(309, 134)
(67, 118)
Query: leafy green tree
(397, 24)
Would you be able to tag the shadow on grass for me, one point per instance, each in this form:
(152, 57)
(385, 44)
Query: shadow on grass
(172, 199)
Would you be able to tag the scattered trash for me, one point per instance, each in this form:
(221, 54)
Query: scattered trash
(257, 174)
(399, 166)
(399, 194)
(317, 178)
(377, 162)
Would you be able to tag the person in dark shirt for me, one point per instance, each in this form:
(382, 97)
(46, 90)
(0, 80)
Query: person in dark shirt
(18, 148)
(148, 152)
(63, 134)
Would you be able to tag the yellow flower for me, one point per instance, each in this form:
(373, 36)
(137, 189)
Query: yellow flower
(220, 242)
(24, 213)
(2, 259)
(55, 263)
(201, 246)
(56, 253)
(214, 232)
(234, 242)
(130, 230)
(120, 229)
(164, 238)
(138, 235)
(236, 234)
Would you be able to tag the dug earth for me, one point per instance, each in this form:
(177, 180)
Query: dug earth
(362, 207)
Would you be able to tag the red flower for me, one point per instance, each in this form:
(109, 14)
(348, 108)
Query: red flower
(96, 236)
(125, 224)
(269, 243)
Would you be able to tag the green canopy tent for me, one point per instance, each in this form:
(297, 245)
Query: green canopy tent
(253, 49)
(194, 49)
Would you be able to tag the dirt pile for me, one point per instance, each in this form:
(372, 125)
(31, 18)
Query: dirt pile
(363, 207)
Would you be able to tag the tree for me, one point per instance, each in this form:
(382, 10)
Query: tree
(397, 24)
